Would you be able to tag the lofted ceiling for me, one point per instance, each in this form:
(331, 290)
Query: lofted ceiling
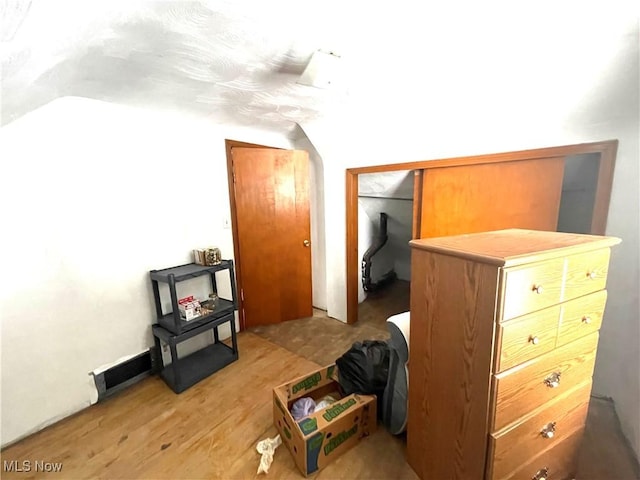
(392, 184)
(238, 62)
(232, 62)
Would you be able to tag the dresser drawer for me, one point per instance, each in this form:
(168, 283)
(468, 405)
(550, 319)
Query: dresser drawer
(531, 288)
(556, 463)
(527, 337)
(586, 273)
(581, 316)
(530, 385)
(511, 448)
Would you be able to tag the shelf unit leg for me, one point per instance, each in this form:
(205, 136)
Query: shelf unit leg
(158, 364)
(174, 365)
(174, 302)
(233, 334)
(156, 298)
(214, 283)
(216, 339)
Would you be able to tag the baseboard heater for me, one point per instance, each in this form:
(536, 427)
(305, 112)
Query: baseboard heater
(123, 375)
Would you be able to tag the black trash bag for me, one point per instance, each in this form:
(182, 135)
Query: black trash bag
(364, 369)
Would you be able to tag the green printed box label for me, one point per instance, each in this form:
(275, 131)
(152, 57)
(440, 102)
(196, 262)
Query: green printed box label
(307, 383)
(337, 409)
(330, 371)
(339, 439)
(308, 425)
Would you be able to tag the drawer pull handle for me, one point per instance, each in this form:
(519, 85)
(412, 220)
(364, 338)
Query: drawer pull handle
(538, 289)
(591, 275)
(549, 430)
(586, 319)
(553, 380)
(533, 339)
(541, 474)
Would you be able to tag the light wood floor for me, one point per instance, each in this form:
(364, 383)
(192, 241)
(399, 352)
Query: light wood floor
(210, 430)
(605, 454)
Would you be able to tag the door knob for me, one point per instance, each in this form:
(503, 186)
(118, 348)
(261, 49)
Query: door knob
(306, 243)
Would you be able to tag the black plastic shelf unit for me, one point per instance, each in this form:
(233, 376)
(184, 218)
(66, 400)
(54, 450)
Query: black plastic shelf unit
(198, 366)
(184, 372)
(172, 320)
(171, 329)
(168, 321)
(190, 270)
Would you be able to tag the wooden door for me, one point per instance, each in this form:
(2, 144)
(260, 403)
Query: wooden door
(491, 196)
(271, 189)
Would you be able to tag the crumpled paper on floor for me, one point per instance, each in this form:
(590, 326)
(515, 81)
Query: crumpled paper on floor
(267, 448)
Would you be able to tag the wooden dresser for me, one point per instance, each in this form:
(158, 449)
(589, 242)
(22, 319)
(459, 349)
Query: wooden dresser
(504, 331)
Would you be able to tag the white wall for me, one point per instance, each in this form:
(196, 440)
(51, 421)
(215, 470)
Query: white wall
(94, 196)
(316, 206)
(618, 362)
(491, 85)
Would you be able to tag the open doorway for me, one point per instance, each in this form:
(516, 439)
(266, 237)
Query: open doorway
(385, 218)
(513, 203)
(579, 186)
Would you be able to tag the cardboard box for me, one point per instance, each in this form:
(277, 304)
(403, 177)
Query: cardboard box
(316, 440)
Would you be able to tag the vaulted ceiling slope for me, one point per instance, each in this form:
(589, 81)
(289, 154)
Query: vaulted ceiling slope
(238, 61)
(230, 61)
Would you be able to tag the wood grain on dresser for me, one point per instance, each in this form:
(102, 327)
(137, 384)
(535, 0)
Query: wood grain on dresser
(454, 445)
(586, 273)
(504, 332)
(534, 383)
(539, 431)
(527, 337)
(531, 287)
(581, 316)
(556, 463)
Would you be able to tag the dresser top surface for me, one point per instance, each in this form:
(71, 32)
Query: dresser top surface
(514, 246)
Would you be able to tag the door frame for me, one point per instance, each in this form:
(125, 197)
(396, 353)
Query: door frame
(607, 150)
(229, 145)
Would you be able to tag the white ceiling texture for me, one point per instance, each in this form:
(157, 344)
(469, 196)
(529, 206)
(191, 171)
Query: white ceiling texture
(238, 61)
(229, 61)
